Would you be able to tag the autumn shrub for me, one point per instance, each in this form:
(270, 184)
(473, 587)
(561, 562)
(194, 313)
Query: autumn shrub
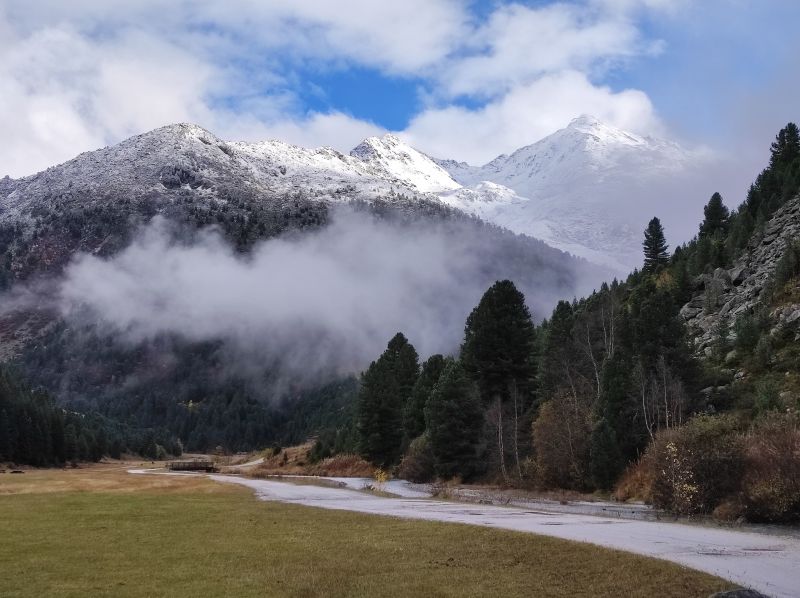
(771, 483)
(697, 466)
(418, 463)
(343, 465)
(561, 437)
(637, 481)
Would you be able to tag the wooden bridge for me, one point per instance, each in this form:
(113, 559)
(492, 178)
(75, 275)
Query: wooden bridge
(193, 465)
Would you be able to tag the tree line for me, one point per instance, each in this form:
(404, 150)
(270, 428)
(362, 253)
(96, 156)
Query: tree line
(580, 399)
(35, 431)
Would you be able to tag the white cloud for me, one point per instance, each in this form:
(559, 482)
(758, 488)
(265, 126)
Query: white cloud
(337, 130)
(79, 75)
(401, 37)
(518, 44)
(64, 94)
(526, 114)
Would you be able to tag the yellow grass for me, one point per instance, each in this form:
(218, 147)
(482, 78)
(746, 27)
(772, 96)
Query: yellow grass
(101, 532)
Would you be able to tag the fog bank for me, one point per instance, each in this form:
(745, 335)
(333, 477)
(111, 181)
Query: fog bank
(320, 303)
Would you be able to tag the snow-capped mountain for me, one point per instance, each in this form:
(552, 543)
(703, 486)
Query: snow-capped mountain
(588, 189)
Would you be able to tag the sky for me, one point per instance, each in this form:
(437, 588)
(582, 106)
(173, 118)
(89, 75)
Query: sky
(458, 79)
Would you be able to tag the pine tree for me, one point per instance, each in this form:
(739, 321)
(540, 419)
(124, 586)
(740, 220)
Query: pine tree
(385, 388)
(617, 405)
(498, 354)
(454, 420)
(414, 413)
(499, 342)
(6, 441)
(716, 216)
(71, 449)
(786, 147)
(605, 459)
(405, 364)
(655, 246)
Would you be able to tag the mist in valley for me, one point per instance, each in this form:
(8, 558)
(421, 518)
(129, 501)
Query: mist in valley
(311, 305)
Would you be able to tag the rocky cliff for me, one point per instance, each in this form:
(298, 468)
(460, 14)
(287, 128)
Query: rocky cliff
(724, 295)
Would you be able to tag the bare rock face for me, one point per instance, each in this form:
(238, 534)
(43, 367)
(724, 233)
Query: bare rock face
(731, 293)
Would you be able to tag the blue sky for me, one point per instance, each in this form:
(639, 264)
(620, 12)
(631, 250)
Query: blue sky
(459, 79)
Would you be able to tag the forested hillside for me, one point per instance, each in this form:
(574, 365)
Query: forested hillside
(211, 392)
(614, 391)
(35, 431)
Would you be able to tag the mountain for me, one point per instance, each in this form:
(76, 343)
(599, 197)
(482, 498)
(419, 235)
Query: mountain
(588, 189)
(240, 391)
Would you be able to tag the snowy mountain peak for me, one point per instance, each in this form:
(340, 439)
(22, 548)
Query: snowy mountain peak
(391, 157)
(595, 132)
(588, 188)
(181, 130)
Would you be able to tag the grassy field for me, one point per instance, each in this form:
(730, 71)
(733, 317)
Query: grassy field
(102, 532)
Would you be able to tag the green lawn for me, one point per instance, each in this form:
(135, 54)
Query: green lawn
(145, 542)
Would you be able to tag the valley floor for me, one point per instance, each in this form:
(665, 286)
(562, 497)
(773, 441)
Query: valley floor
(102, 532)
(767, 563)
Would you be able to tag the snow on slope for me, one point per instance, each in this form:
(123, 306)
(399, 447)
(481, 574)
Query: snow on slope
(588, 189)
(388, 156)
(189, 156)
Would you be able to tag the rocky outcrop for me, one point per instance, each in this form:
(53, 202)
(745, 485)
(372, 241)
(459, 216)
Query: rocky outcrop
(731, 293)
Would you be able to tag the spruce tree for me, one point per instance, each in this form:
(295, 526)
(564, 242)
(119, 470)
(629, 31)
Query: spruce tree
(498, 354)
(385, 388)
(655, 246)
(605, 459)
(499, 342)
(414, 413)
(786, 147)
(454, 420)
(6, 441)
(716, 216)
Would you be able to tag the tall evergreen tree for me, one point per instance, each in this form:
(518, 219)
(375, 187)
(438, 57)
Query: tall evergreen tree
(786, 147)
(385, 388)
(605, 459)
(499, 340)
(498, 354)
(454, 420)
(414, 414)
(716, 216)
(405, 364)
(6, 440)
(655, 246)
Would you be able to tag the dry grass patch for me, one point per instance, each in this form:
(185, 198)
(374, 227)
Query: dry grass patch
(294, 460)
(191, 537)
(102, 477)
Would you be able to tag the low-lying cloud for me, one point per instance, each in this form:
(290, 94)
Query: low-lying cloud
(320, 303)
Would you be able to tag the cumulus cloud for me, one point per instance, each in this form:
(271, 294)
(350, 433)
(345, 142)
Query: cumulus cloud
(518, 44)
(63, 94)
(84, 74)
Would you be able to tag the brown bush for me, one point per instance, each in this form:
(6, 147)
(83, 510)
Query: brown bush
(729, 510)
(418, 463)
(636, 482)
(692, 469)
(771, 484)
(344, 466)
(561, 436)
